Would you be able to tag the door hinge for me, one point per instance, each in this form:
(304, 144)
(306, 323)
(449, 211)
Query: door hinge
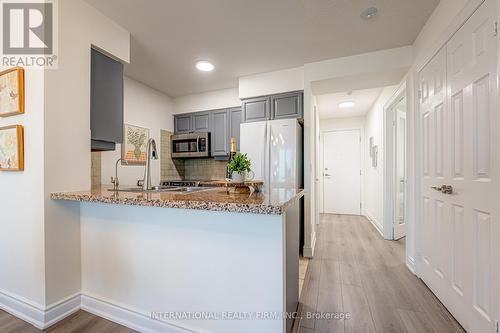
(495, 29)
(498, 327)
(419, 95)
(360, 172)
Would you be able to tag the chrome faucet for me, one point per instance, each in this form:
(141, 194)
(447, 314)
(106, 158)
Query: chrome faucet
(115, 181)
(151, 153)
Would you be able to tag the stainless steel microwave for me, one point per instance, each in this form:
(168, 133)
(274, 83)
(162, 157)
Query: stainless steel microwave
(191, 145)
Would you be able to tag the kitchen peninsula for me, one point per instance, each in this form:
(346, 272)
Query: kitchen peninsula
(208, 252)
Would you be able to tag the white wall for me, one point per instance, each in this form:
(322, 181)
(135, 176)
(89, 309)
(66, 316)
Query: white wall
(335, 124)
(143, 107)
(271, 83)
(212, 100)
(22, 266)
(40, 245)
(67, 136)
(368, 63)
(374, 177)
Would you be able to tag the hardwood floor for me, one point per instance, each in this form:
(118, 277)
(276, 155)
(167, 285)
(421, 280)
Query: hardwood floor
(79, 322)
(356, 271)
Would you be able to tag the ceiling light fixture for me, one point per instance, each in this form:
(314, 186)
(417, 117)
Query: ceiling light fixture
(345, 105)
(369, 13)
(205, 66)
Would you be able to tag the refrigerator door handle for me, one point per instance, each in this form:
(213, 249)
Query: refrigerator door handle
(268, 154)
(264, 157)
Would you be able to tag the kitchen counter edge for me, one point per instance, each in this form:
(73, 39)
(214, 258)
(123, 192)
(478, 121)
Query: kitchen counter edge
(155, 201)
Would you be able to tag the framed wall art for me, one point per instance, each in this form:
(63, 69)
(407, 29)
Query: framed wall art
(12, 148)
(135, 144)
(12, 92)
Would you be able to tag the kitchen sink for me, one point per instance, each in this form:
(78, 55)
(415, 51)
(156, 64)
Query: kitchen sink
(192, 189)
(160, 189)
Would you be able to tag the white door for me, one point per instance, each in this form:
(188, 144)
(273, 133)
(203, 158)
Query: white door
(459, 128)
(342, 172)
(400, 170)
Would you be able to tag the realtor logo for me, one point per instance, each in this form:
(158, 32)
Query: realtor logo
(28, 33)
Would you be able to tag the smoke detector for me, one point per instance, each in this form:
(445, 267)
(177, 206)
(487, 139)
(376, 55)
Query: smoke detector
(369, 13)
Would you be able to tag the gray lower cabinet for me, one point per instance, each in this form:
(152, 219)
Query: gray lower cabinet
(289, 105)
(220, 133)
(183, 123)
(256, 109)
(235, 119)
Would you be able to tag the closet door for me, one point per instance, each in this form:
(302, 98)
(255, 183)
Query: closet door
(459, 127)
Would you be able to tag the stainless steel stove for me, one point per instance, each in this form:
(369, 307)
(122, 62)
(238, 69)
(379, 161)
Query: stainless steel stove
(181, 183)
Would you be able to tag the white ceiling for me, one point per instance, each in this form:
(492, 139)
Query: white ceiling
(328, 104)
(243, 37)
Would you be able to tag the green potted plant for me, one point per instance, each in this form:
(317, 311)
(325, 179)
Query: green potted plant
(239, 166)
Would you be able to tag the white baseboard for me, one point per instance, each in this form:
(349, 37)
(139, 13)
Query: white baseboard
(410, 263)
(308, 252)
(22, 309)
(377, 226)
(122, 315)
(44, 318)
(60, 310)
(35, 314)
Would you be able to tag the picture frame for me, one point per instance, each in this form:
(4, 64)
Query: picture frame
(12, 148)
(12, 92)
(135, 140)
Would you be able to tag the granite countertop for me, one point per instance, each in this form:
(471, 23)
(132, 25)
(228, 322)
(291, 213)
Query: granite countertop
(218, 199)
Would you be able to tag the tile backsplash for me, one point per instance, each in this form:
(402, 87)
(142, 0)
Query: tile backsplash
(171, 169)
(96, 169)
(204, 168)
(188, 169)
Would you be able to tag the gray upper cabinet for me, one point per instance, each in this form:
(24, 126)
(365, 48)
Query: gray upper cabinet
(183, 123)
(256, 109)
(220, 133)
(222, 124)
(192, 122)
(280, 106)
(235, 118)
(201, 122)
(106, 102)
(289, 105)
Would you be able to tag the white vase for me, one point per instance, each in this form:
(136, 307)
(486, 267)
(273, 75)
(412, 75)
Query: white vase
(238, 177)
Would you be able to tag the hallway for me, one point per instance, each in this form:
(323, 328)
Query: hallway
(356, 271)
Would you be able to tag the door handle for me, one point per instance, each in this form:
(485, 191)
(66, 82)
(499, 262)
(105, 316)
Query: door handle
(445, 189)
(327, 175)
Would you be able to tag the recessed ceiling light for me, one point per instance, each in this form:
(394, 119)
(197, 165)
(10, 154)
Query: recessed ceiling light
(345, 105)
(369, 13)
(205, 66)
